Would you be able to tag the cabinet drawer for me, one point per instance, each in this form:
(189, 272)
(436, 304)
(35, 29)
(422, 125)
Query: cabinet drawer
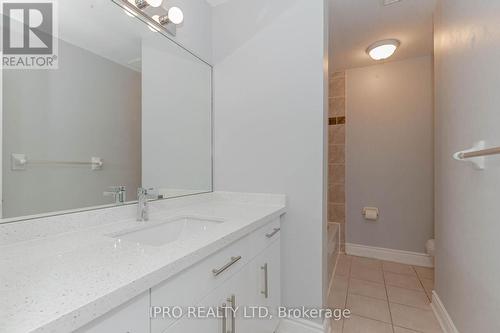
(192, 285)
(131, 317)
(245, 288)
(265, 236)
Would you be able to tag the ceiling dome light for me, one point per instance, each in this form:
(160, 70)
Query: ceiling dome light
(383, 49)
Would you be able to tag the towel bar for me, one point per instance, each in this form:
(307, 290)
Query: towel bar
(19, 162)
(477, 154)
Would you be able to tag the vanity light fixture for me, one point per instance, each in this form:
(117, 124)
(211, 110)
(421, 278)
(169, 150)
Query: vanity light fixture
(141, 4)
(156, 23)
(383, 49)
(129, 12)
(152, 27)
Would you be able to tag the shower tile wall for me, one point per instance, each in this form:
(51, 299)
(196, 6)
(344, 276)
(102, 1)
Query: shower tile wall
(336, 177)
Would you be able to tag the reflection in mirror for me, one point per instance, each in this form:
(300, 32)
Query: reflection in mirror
(126, 108)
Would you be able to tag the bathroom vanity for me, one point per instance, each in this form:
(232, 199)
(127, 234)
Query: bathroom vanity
(104, 272)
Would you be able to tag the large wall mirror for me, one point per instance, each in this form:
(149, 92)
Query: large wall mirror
(127, 107)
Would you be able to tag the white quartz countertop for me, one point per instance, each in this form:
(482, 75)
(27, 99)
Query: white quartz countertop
(62, 280)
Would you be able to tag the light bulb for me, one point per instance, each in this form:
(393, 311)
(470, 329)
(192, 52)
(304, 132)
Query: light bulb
(175, 15)
(382, 52)
(154, 3)
(383, 49)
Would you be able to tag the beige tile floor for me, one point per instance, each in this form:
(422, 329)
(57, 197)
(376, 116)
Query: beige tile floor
(384, 297)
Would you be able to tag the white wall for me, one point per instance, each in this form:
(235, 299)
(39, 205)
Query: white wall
(176, 119)
(270, 123)
(467, 201)
(90, 106)
(389, 154)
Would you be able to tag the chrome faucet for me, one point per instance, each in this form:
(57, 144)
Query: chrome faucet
(143, 196)
(119, 193)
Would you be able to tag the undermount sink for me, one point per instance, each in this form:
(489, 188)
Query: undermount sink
(161, 233)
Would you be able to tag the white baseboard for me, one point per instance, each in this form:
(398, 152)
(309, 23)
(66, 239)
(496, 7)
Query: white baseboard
(403, 257)
(302, 326)
(442, 315)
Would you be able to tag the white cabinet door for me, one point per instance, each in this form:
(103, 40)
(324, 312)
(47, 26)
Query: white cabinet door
(205, 325)
(267, 267)
(191, 286)
(242, 292)
(272, 257)
(222, 297)
(239, 292)
(259, 285)
(131, 317)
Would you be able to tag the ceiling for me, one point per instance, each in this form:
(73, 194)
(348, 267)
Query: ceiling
(355, 24)
(215, 3)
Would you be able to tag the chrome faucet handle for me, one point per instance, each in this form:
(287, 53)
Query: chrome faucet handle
(143, 196)
(149, 193)
(118, 192)
(117, 188)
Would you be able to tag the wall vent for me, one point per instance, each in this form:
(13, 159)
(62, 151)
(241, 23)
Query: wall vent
(390, 2)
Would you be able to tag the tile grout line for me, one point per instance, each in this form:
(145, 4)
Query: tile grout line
(387, 295)
(407, 275)
(411, 306)
(393, 326)
(381, 284)
(418, 278)
(380, 299)
(377, 320)
(347, 292)
(421, 283)
(424, 292)
(407, 328)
